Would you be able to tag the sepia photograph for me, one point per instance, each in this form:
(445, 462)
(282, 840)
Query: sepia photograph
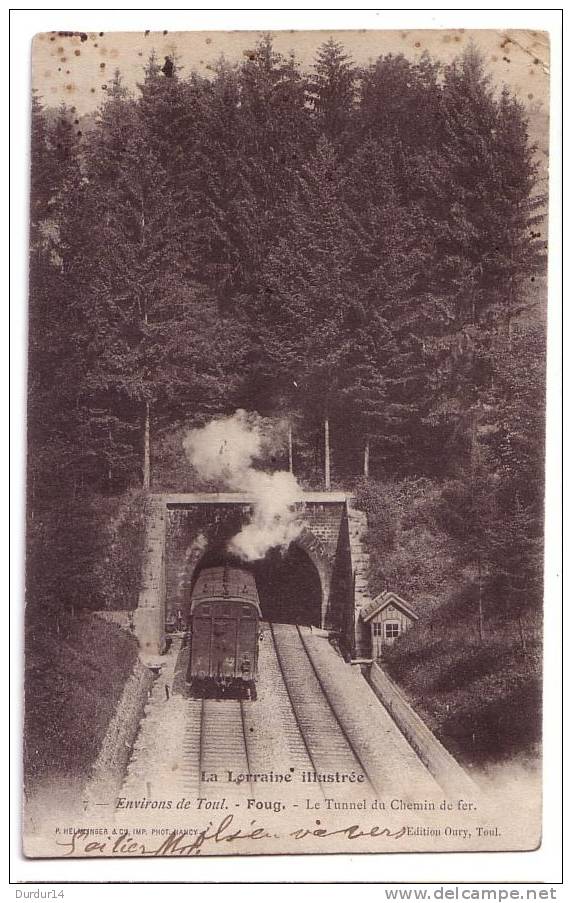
(285, 483)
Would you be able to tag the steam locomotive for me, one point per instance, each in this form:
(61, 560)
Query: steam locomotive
(224, 617)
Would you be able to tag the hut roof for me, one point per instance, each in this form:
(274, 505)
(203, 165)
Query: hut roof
(382, 601)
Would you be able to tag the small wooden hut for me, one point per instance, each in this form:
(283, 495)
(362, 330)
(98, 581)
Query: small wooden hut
(388, 616)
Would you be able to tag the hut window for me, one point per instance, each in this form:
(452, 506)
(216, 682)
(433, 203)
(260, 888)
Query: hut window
(377, 628)
(391, 630)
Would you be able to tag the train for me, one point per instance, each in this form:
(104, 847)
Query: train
(224, 633)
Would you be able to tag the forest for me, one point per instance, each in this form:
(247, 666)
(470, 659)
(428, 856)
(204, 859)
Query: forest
(361, 247)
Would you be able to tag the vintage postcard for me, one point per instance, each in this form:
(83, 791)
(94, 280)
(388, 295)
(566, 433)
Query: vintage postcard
(285, 485)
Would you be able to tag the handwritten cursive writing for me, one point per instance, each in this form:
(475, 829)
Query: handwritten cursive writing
(186, 844)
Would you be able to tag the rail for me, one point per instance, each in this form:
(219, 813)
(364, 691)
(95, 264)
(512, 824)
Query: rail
(292, 706)
(320, 724)
(343, 731)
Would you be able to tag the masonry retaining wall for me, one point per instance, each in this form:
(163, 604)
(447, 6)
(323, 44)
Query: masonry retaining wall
(149, 616)
(444, 768)
(111, 763)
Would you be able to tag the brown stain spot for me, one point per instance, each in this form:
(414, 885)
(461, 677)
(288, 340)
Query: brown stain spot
(102, 65)
(63, 59)
(536, 61)
(417, 44)
(165, 32)
(208, 40)
(140, 53)
(456, 38)
(92, 90)
(60, 50)
(147, 33)
(52, 38)
(101, 33)
(96, 45)
(77, 52)
(530, 96)
(494, 58)
(70, 87)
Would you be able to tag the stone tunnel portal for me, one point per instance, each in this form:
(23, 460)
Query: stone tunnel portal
(309, 584)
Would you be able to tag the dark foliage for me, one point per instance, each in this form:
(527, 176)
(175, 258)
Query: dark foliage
(357, 245)
(74, 680)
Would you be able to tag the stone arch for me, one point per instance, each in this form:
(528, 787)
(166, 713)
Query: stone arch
(316, 551)
(202, 549)
(182, 527)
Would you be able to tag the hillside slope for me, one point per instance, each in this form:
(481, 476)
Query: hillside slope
(472, 665)
(483, 700)
(74, 681)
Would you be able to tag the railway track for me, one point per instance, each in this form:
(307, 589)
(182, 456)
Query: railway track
(310, 718)
(295, 750)
(223, 745)
(215, 743)
(224, 735)
(328, 746)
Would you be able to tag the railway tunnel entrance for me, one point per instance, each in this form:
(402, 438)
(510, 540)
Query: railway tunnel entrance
(288, 583)
(312, 583)
(289, 587)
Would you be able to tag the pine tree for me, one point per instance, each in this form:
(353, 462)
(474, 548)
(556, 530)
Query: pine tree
(514, 440)
(43, 176)
(228, 226)
(175, 112)
(399, 104)
(476, 197)
(254, 143)
(312, 293)
(396, 264)
(332, 89)
(468, 509)
(122, 273)
(518, 210)
(55, 154)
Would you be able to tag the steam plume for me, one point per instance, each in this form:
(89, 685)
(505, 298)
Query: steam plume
(225, 452)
